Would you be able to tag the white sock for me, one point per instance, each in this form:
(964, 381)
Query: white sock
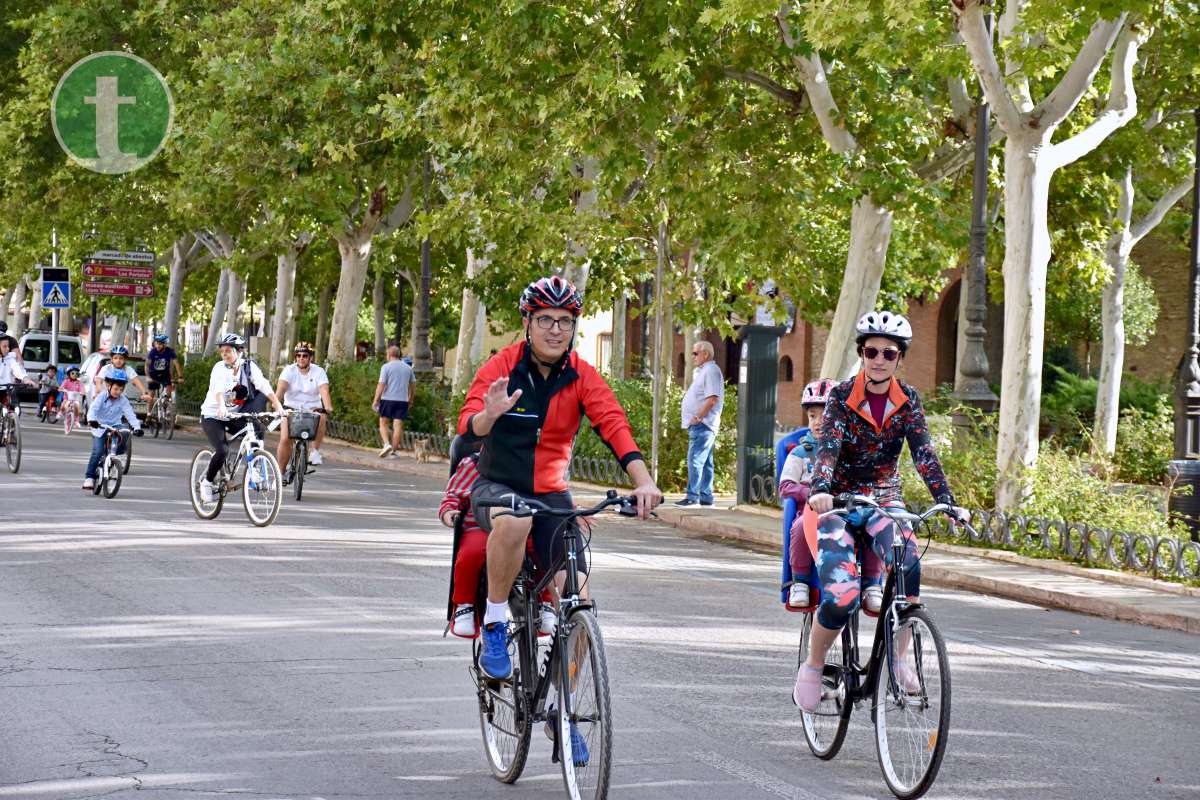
(496, 612)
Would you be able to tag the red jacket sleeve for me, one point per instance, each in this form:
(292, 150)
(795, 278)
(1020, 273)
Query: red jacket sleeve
(606, 415)
(495, 367)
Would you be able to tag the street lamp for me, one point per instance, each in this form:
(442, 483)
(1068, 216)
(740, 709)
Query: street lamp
(1185, 469)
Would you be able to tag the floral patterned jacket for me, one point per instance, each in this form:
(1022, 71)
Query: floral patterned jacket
(854, 454)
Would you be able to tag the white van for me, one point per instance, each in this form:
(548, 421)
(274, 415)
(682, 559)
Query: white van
(35, 350)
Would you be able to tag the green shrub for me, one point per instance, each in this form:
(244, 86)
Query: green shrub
(968, 458)
(1145, 443)
(196, 373)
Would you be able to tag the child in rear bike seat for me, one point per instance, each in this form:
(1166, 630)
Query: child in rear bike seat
(471, 552)
(795, 482)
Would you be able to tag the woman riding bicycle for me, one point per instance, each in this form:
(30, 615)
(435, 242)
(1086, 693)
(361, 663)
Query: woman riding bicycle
(867, 421)
(235, 384)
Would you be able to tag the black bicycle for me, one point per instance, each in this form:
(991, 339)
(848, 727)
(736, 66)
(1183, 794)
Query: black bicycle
(10, 427)
(302, 428)
(911, 718)
(566, 687)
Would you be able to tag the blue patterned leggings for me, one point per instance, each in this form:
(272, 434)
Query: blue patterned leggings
(840, 581)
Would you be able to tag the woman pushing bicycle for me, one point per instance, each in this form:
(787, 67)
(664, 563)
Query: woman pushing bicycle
(238, 382)
(867, 421)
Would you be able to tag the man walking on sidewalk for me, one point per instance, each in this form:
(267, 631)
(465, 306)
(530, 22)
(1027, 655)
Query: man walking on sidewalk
(702, 404)
(393, 397)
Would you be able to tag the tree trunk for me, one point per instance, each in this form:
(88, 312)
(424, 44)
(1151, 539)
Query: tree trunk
(661, 356)
(218, 314)
(237, 298)
(617, 362)
(379, 303)
(870, 235)
(468, 326)
(285, 279)
(5, 293)
(1112, 314)
(1026, 255)
(422, 353)
(35, 305)
(177, 273)
(119, 331)
(20, 318)
(293, 325)
(355, 250)
(323, 305)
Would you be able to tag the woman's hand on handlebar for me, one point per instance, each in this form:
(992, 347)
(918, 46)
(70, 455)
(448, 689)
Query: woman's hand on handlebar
(960, 515)
(821, 503)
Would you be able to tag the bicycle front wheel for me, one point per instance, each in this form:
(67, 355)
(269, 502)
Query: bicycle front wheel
(299, 467)
(585, 729)
(825, 728)
(69, 421)
(128, 452)
(912, 706)
(262, 488)
(13, 444)
(196, 474)
(169, 420)
(112, 477)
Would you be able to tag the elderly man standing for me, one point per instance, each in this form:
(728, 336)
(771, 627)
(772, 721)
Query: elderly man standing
(702, 404)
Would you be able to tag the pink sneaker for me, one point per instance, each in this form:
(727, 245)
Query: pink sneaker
(906, 679)
(807, 691)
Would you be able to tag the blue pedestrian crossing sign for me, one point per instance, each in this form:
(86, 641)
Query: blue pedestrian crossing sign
(56, 287)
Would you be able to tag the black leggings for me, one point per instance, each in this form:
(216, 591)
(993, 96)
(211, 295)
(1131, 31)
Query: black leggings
(215, 430)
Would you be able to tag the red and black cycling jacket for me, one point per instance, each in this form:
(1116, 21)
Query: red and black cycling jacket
(529, 448)
(855, 454)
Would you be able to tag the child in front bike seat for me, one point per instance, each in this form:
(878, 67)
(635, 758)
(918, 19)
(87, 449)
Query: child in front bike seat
(795, 482)
(470, 545)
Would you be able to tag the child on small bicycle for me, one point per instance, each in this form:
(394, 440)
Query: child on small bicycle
(72, 391)
(470, 551)
(795, 482)
(48, 390)
(109, 408)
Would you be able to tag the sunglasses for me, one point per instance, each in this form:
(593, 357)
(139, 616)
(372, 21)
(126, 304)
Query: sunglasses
(872, 353)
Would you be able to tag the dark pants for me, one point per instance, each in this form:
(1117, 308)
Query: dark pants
(215, 430)
(98, 452)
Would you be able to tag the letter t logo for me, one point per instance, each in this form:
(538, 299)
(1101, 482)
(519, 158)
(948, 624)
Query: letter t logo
(107, 100)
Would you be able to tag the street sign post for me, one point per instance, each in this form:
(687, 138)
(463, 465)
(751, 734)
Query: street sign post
(113, 289)
(121, 271)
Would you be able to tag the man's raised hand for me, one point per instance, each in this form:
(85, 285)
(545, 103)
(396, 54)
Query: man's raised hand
(498, 402)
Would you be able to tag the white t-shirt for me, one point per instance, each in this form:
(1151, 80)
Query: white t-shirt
(303, 390)
(11, 370)
(105, 371)
(223, 379)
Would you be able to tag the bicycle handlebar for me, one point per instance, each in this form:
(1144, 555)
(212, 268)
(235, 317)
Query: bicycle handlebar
(517, 506)
(847, 503)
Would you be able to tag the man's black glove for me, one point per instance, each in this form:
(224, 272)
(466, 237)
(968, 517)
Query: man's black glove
(93, 423)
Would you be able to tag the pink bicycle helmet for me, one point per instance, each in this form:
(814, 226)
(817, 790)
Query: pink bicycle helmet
(817, 392)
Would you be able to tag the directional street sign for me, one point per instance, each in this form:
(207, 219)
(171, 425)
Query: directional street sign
(125, 272)
(138, 256)
(118, 289)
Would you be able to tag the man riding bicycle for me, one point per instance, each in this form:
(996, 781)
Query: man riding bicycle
(867, 421)
(528, 437)
(303, 386)
(235, 384)
(161, 364)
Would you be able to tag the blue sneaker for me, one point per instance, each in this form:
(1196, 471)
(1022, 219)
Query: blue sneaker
(579, 749)
(495, 661)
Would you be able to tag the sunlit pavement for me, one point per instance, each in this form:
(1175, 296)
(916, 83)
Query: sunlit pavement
(144, 650)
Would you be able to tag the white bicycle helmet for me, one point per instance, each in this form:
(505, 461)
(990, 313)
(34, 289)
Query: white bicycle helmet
(884, 323)
(816, 393)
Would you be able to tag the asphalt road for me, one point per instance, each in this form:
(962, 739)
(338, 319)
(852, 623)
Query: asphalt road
(147, 654)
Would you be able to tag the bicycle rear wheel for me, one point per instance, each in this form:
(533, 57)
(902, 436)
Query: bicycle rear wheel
(585, 731)
(152, 420)
(825, 729)
(911, 728)
(196, 474)
(112, 477)
(12, 446)
(262, 489)
(504, 722)
(299, 467)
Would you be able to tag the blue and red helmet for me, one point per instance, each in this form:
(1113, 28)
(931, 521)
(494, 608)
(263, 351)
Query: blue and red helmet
(551, 292)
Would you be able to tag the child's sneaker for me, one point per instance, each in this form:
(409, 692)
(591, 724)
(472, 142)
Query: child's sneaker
(464, 621)
(88, 483)
(547, 619)
(800, 597)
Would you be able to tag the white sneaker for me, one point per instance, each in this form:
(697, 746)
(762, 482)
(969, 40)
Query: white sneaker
(547, 619)
(464, 621)
(387, 448)
(206, 491)
(800, 596)
(873, 599)
(314, 457)
(88, 483)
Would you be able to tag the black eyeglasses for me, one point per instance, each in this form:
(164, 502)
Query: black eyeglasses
(303, 355)
(546, 322)
(872, 353)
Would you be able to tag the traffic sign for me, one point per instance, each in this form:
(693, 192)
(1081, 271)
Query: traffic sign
(56, 295)
(140, 256)
(123, 271)
(118, 289)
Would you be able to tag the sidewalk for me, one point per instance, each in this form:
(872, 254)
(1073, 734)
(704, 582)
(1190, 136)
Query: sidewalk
(1044, 582)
